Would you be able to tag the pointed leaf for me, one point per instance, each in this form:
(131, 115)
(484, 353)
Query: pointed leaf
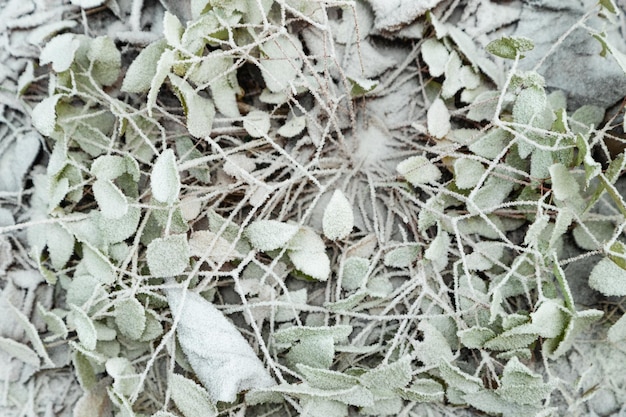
(190, 398)
(130, 318)
(200, 111)
(142, 71)
(165, 180)
(438, 118)
(19, 351)
(338, 219)
(418, 170)
(84, 327)
(268, 235)
(111, 200)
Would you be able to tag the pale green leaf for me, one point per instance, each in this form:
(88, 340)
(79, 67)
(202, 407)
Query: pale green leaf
(130, 317)
(438, 119)
(418, 170)
(564, 185)
(153, 328)
(467, 172)
(112, 202)
(475, 337)
(60, 245)
(19, 351)
(55, 324)
(402, 257)
(141, 72)
(291, 312)
(326, 379)
(106, 60)
(108, 167)
(118, 230)
(281, 61)
(549, 320)
(164, 179)
(423, 390)
(168, 256)
(617, 331)
(190, 398)
(361, 86)
(268, 235)
(292, 127)
(257, 123)
(491, 144)
(306, 240)
(520, 385)
(172, 29)
(484, 107)
(384, 407)
(163, 68)
(510, 47)
(84, 327)
(354, 273)
(199, 110)
(608, 278)
(338, 219)
(292, 334)
(97, 264)
(314, 351)
(31, 332)
(529, 104)
(434, 349)
(458, 379)
(124, 375)
(60, 51)
(389, 376)
(437, 251)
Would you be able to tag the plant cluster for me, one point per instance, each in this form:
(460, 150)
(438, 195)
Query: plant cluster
(223, 242)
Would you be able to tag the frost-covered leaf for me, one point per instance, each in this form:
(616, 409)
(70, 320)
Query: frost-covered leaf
(60, 51)
(268, 235)
(257, 123)
(338, 219)
(190, 398)
(564, 185)
(587, 116)
(458, 379)
(281, 61)
(617, 331)
(418, 170)
(361, 86)
(111, 200)
(55, 324)
(402, 257)
(314, 351)
(220, 248)
(31, 331)
(314, 264)
(106, 60)
(529, 104)
(438, 119)
(549, 320)
(168, 256)
(384, 407)
(130, 317)
(338, 333)
(99, 266)
(118, 230)
(484, 107)
(108, 167)
(601, 231)
(436, 55)
(467, 172)
(172, 29)
(289, 313)
(199, 110)
(84, 327)
(354, 272)
(434, 349)
(124, 375)
(163, 68)
(475, 337)
(221, 358)
(510, 47)
(327, 379)
(19, 351)
(520, 385)
(153, 328)
(491, 144)
(44, 115)
(60, 244)
(142, 71)
(292, 127)
(437, 251)
(493, 193)
(608, 278)
(423, 390)
(164, 179)
(87, 4)
(388, 376)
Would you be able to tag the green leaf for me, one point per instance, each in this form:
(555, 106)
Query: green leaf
(118, 230)
(292, 334)
(19, 351)
(97, 264)
(190, 398)
(141, 72)
(338, 219)
(60, 245)
(163, 68)
(510, 47)
(521, 386)
(165, 180)
(434, 349)
(402, 257)
(281, 61)
(354, 273)
(172, 29)
(564, 185)
(314, 264)
(423, 390)
(361, 86)
(84, 327)
(609, 5)
(55, 324)
(326, 379)
(269, 235)
(437, 251)
(125, 378)
(475, 337)
(418, 170)
(111, 200)
(168, 256)
(199, 110)
(458, 379)
(130, 317)
(608, 278)
(594, 239)
(530, 103)
(108, 167)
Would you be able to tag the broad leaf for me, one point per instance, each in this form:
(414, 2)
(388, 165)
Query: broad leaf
(338, 219)
(165, 180)
(168, 256)
(190, 398)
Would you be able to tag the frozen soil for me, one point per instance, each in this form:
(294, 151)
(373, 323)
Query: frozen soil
(592, 374)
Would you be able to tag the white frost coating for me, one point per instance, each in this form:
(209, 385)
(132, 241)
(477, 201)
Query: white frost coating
(418, 170)
(199, 111)
(564, 185)
(168, 256)
(338, 219)
(435, 55)
(392, 14)
(608, 278)
(111, 200)
(60, 51)
(219, 355)
(143, 69)
(87, 4)
(45, 115)
(314, 264)
(281, 61)
(438, 118)
(165, 181)
(257, 123)
(267, 235)
(467, 172)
